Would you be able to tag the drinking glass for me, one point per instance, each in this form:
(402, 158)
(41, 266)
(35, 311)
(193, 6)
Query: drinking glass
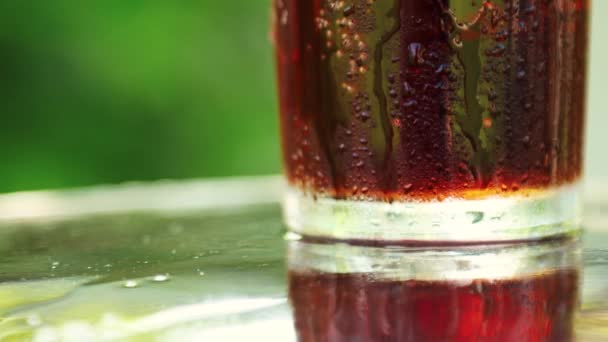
(432, 120)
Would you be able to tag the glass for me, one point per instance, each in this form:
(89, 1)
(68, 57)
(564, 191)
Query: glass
(496, 293)
(439, 120)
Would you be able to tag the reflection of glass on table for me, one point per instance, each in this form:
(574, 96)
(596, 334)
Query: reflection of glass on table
(525, 292)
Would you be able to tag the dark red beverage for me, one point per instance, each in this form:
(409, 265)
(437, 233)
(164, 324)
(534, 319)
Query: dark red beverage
(502, 293)
(427, 99)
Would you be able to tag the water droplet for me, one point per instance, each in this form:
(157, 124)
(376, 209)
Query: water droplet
(409, 103)
(521, 74)
(530, 9)
(495, 218)
(364, 115)
(501, 36)
(348, 10)
(475, 216)
(393, 215)
(443, 69)
(173, 251)
(407, 89)
(415, 51)
(478, 286)
(33, 320)
(496, 51)
(160, 278)
(441, 85)
(535, 25)
(130, 284)
(201, 273)
(457, 42)
(291, 236)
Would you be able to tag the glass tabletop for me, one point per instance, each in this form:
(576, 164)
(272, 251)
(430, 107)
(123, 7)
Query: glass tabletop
(169, 261)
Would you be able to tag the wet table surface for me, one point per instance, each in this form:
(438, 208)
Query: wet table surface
(172, 261)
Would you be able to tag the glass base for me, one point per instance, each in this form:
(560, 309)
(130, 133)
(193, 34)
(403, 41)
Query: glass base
(534, 215)
(448, 263)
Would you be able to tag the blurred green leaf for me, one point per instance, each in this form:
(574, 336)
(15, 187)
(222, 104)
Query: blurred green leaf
(110, 91)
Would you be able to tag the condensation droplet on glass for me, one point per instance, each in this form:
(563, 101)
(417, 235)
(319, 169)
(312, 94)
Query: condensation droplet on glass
(475, 216)
(348, 10)
(409, 103)
(365, 115)
(415, 54)
(407, 89)
(496, 51)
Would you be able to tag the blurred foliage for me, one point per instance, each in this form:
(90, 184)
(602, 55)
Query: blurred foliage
(109, 91)
(105, 91)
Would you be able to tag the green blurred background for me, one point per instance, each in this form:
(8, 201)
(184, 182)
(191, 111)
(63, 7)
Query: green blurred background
(106, 91)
